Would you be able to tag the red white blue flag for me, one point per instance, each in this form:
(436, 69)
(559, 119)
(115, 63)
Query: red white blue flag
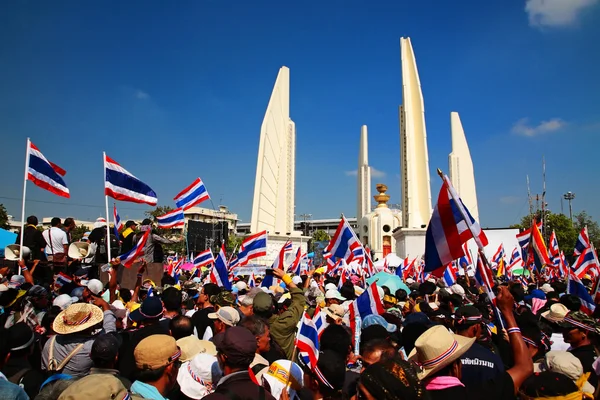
(343, 243)
(219, 274)
(45, 174)
(307, 341)
(136, 252)
(252, 247)
(172, 219)
(120, 184)
(448, 230)
(192, 195)
(203, 259)
(583, 242)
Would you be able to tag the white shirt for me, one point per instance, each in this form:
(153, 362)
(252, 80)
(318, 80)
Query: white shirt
(59, 238)
(558, 343)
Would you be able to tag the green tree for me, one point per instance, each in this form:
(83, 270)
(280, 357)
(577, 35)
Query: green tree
(584, 219)
(318, 236)
(233, 243)
(3, 217)
(77, 233)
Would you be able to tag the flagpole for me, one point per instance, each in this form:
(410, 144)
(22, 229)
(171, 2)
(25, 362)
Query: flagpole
(106, 204)
(23, 203)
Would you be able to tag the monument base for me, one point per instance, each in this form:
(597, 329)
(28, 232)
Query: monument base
(409, 242)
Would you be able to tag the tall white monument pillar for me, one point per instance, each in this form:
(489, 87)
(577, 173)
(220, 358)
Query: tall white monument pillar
(460, 166)
(363, 200)
(414, 171)
(273, 205)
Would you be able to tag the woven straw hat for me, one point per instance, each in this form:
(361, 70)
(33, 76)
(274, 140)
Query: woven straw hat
(76, 318)
(557, 313)
(437, 348)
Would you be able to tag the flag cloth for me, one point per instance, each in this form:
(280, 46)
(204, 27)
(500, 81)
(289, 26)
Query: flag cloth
(538, 248)
(219, 274)
(203, 259)
(295, 266)
(307, 341)
(447, 230)
(172, 219)
(523, 238)
(278, 263)
(343, 242)
(367, 303)
(251, 280)
(62, 279)
(136, 252)
(192, 195)
(118, 225)
(553, 250)
(450, 275)
(45, 174)
(578, 289)
(584, 263)
(254, 246)
(583, 242)
(515, 260)
(121, 185)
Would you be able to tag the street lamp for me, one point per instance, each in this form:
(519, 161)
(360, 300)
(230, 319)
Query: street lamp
(570, 196)
(305, 217)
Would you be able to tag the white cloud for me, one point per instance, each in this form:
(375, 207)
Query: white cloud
(522, 127)
(555, 13)
(375, 173)
(141, 95)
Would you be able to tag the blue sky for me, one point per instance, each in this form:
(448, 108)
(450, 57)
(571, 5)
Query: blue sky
(176, 90)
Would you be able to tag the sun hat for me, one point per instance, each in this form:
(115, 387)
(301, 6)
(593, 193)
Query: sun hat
(76, 318)
(564, 363)
(96, 387)
(191, 346)
(437, 348)
(227, 315)
(94, 286)
(195, 377)
(373, 319)
(557, 313)
(334, 294)
(546, 288)
(64, 300)
(151, 308)
(238, 344)
(278, 377)
(155, 352)
(335, 311)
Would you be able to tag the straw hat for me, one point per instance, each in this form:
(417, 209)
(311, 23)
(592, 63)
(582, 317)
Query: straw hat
(191, 346)
(437, 348)
(76, 318)
(557, 313)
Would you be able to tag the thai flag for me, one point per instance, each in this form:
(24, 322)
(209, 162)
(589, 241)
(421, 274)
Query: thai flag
(62, 279)
(203, 259)
(268, 280)
(563, 265)
(466, 260)
(553, 250)
(253, 246)
(578, 289)
(172, 219)
(320, 320)
(368, 265)
(118, 225)
(583, 242)
(499, 254)
(515, 260)
(307, 341)
(450, 275)
(192, 195)
(343, 242)
(523, 237)
(367, 303)
(523, 281)
(219, 274)
(136, 252)
(121, 185)
(585, 262)
(448, 230)
(45, 174)
(343, 278)
(251, 280)
(483, 275)
(295, 266)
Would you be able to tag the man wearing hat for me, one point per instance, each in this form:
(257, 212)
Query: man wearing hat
(578, 327)
(157, 365)
(224, 318)
(235, 351)
(127, 236)
(478, 363)
(96, 387)
(554, 317)
(283, 326)
(105, 354)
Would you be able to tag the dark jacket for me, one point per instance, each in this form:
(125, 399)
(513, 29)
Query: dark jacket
(239, 386)
(35, 241)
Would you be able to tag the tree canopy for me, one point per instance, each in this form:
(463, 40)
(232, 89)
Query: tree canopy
(3, 217)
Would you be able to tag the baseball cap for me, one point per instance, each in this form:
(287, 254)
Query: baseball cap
(151, 308)
(105, 347)
(238, 344)
(227, 315)
(262, 302)
(64, 300)
(155, 352)
(334, 294)
(330, 286)
(95, 286)
(241, 285)
(467, 316)
(297, 280)
(374, 319)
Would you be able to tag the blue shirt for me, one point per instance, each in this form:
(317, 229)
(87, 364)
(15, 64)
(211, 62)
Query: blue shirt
(146, 391)
(10, 391)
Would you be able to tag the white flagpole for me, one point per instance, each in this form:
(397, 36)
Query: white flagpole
(23, 203)
(106, 203)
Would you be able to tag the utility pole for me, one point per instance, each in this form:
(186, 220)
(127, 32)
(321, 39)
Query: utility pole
(305, 217)
(569, 196)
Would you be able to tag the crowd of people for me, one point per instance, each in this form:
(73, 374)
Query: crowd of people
(64, 334)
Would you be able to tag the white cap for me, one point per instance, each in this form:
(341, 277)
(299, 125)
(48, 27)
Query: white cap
(546, 288)
(410, 280)
(94, 286)
(457, 289)
(330, 286)
(297, 280)
(64, 300)
(334, 294)
(241, 285)
(118, 308)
